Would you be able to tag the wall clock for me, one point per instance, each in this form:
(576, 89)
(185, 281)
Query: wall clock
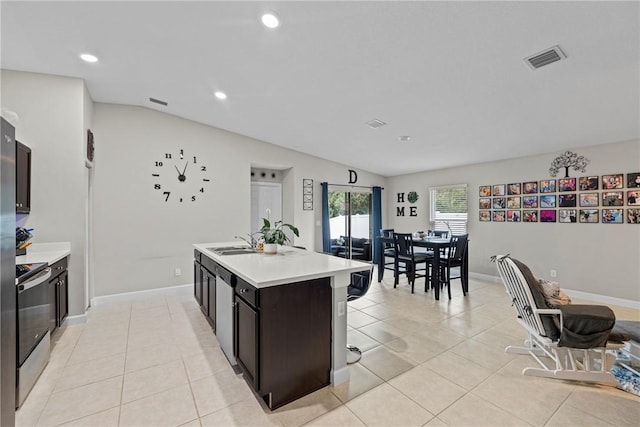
(180, 177)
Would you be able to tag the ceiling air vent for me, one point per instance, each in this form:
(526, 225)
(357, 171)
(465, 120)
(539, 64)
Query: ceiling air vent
(375, 123)
(157, 101)
(546, 57)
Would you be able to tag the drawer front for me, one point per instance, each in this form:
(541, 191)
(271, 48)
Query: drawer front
(59, 267)
(247, 292)
(197, 255)
(209, 264)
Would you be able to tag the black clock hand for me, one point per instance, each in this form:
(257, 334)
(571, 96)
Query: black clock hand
(177, 170)
(185, 168)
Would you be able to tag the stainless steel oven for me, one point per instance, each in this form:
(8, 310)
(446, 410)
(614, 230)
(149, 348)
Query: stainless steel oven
(32, 325)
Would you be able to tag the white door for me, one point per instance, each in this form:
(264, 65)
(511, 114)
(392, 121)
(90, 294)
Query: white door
(265, 195)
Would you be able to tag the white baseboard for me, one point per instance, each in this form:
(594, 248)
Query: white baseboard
(75, 320)
(340, 376)
(602, 299)
(129, 295)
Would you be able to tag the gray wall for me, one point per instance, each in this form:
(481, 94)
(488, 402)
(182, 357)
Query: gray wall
(600, 259)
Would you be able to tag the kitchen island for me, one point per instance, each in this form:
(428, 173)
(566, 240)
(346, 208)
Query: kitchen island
(289, 316)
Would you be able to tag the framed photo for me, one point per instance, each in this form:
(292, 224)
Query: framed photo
(633, 216)
(548, 215)
(513, 202)
(530, 187)
(530, 216)
(567, 201)
(612, 198)
(485, 216)
(633, 198)
(612, 216)
(548, 201)
(590, 216)
(589, 200)
(529, 202)
(567, 184)
(548, 186)
(612, 182)
(633, 180)
(588, 183)
(513, 216)
(498, 216)
(498, 190)
(499, 203)
(484, 202)
(485, 191)
(513, 189)
(567, 215)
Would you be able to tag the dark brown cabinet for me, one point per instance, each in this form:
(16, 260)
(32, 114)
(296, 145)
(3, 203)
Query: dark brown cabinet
(58, 294)
(204, 281)
(283, 338)
(23, 178)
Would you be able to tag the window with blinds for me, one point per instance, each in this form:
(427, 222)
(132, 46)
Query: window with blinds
(448, 208)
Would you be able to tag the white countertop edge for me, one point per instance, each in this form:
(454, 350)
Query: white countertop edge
(227, 261)
(45, 252)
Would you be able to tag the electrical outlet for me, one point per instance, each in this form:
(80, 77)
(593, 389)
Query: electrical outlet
(178, 272)
(553, 273)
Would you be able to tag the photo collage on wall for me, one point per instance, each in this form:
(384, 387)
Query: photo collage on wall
(607, 199)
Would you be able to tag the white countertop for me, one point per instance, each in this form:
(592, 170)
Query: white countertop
(288, 265)
(45, 252)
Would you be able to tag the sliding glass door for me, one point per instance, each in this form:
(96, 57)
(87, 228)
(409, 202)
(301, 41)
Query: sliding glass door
(350, 224)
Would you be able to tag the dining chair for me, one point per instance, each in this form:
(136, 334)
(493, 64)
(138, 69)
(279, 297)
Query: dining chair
(388, 250)
(409, 259)
(453, 257)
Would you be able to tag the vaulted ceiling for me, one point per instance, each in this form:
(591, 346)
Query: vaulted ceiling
(450, 75)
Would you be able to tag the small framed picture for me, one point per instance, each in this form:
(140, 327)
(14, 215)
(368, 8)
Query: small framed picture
(633, 216)
(567, 201)
(633, 198)
(547, 215)
(499, 203)
(498, 190)
(530, 187)
(567, 215)
(513, 202)
(612, 182)
(485, 216)
(633, 180)
(498, 216)
(612, 216)
(548, 186)
(513, 216)
(484, 202)
(548, 201)
(588, 183)
(485, 191)
(567, 184)
(513, 189)
(590, 216)
(530, 216)
(589, 200)
(529, 202)
(612, 198)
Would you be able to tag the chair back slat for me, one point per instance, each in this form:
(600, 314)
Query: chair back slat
(457, 247)
(521, 297)
(387, 233)
(404, 244)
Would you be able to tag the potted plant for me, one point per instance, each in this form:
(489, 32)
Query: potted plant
(274, 235)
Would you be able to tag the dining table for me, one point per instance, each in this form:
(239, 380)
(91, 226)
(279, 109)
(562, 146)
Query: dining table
(436, 244)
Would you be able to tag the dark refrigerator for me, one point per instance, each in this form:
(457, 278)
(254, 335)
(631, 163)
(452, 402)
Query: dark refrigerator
(7, 274)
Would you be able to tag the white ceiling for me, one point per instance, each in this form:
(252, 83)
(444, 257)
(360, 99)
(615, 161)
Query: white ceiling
(449, 74)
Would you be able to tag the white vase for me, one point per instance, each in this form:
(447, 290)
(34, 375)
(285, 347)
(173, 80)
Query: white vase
(270, 248)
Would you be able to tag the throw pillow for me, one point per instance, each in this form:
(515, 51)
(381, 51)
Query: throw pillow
(553, 295)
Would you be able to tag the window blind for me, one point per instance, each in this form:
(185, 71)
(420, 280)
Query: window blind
(448, 208)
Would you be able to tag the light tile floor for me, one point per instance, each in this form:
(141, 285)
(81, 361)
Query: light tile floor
(154, 361)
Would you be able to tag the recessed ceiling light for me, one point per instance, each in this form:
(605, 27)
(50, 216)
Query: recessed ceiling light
(220, 95)
(270, 20)
(404, 138)
(88, 57)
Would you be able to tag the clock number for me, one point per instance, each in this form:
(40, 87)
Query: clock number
(155, 174)
(158, 163)
(193, 198)
(194, 159)
(166, 193)
(180, 199)
(167, 156)
(205, 179)
(181, 154)
(156, 186)
(203, 168)
(202, 190)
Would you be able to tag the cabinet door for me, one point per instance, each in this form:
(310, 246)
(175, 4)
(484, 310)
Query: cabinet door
(211, 285)
(53, 304)
(63, 298)
(197, 282)
(247, 340)
(204, 302)
(23, 178)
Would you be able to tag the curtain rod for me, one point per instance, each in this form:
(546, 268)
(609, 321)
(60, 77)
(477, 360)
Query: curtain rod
(351, 185)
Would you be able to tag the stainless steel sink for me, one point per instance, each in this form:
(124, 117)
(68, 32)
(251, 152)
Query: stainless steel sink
(232, 250)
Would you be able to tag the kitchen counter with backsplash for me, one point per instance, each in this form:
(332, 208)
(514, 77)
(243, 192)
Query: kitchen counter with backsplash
(45, 252)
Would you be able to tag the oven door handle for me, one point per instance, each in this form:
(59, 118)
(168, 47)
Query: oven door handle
(36, 280)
